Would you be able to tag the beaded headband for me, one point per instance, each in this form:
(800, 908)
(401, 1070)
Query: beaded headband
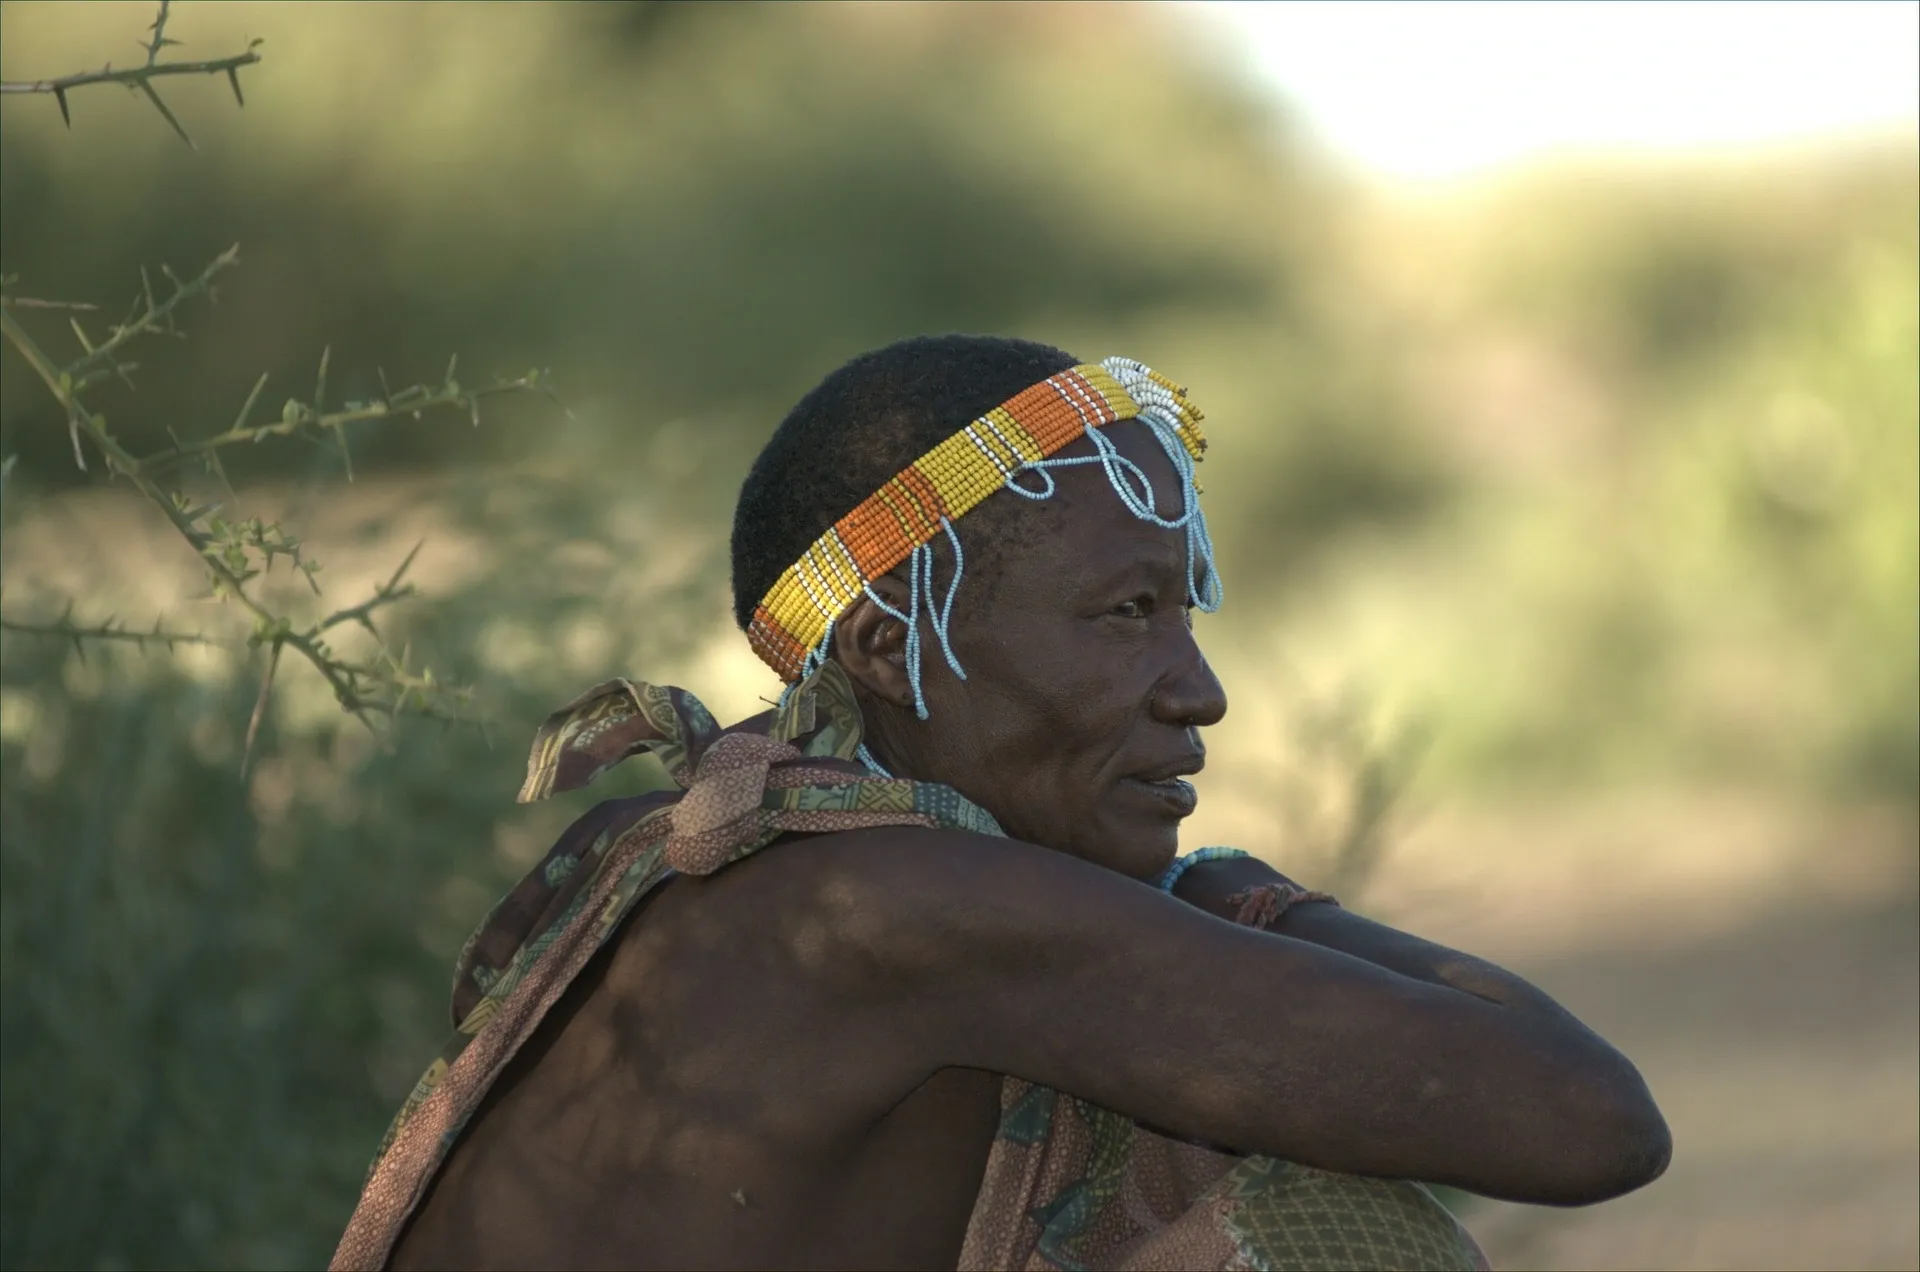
(793, 624)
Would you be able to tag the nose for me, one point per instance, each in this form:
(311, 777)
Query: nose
(1190, 696)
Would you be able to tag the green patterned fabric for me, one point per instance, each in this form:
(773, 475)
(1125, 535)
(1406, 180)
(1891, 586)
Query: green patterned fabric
(1288, 1217)
(1072, 1186)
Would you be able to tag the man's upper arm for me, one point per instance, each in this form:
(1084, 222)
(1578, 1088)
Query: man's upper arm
(999, 955)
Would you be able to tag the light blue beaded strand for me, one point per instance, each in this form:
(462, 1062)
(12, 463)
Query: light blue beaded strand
(1181, 865)
(866, 758)
(1203, 581)
(1159, 410)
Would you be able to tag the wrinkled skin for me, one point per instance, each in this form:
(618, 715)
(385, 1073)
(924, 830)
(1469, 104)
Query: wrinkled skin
(796, 1062)
(1083, 675)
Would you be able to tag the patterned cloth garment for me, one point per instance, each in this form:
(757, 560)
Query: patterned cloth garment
(1068, 1185)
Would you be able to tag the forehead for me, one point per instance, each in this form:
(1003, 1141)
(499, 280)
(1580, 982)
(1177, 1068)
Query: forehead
(1085, 529)
(1141, 447)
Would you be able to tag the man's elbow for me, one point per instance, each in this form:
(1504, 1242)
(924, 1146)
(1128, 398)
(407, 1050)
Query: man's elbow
(1621, 1142)
(1638, 1150)
(1620, 1164)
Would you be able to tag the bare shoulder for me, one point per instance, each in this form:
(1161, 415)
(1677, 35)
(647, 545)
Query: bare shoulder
(850, 964)
(937, 932)
(901, 900)
(870, 891)
(900, 856)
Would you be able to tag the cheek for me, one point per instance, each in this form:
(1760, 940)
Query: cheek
(1006, 721)
(1063, 717)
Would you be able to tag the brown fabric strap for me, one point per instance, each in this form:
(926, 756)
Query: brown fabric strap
(1262, 906)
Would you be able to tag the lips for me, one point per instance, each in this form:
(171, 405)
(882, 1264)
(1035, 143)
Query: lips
(1166, 785)
(1180, 766)
(1174, 794)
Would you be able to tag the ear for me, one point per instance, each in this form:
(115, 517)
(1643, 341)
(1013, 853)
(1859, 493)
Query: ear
(871, 645)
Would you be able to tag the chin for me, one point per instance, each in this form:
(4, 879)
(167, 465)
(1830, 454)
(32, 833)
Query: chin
(1139, 852)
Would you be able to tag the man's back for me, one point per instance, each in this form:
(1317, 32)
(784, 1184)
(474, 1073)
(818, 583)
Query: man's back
(699, 1098)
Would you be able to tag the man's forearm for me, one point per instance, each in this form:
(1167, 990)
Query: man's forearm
(1212, 886)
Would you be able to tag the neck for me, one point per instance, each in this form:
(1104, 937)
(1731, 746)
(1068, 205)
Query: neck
(883, 743)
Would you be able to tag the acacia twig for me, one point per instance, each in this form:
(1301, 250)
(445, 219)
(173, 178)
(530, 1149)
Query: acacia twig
(133, 74)
(385, 594)
(156, 318)
(108, 631)
(259, 709)
(140, 78)
(233, 552)
(299, 416)
(28, 302)
(268, 627)
(385, 686)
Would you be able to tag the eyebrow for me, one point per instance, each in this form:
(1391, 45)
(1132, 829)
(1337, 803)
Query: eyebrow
(1156, 561)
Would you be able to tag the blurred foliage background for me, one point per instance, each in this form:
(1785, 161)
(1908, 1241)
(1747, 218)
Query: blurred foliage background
(1597, 479)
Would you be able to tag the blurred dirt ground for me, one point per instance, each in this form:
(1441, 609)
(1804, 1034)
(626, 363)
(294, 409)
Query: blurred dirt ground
(1778, 1025)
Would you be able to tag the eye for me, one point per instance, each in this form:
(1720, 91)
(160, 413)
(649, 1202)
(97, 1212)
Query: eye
(1136, 607)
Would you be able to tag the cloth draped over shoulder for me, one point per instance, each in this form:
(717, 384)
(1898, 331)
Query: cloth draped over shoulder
(1068, 1185)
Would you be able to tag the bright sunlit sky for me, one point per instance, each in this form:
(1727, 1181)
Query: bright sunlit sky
(1431, 89)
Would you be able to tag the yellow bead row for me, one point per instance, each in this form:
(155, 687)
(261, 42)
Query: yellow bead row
(946, 482)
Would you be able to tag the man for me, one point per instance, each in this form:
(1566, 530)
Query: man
(910, 975)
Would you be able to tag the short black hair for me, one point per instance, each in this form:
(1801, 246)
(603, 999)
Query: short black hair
(858, 428)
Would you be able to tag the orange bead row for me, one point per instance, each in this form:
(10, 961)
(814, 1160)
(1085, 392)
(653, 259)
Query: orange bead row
(800, 608)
